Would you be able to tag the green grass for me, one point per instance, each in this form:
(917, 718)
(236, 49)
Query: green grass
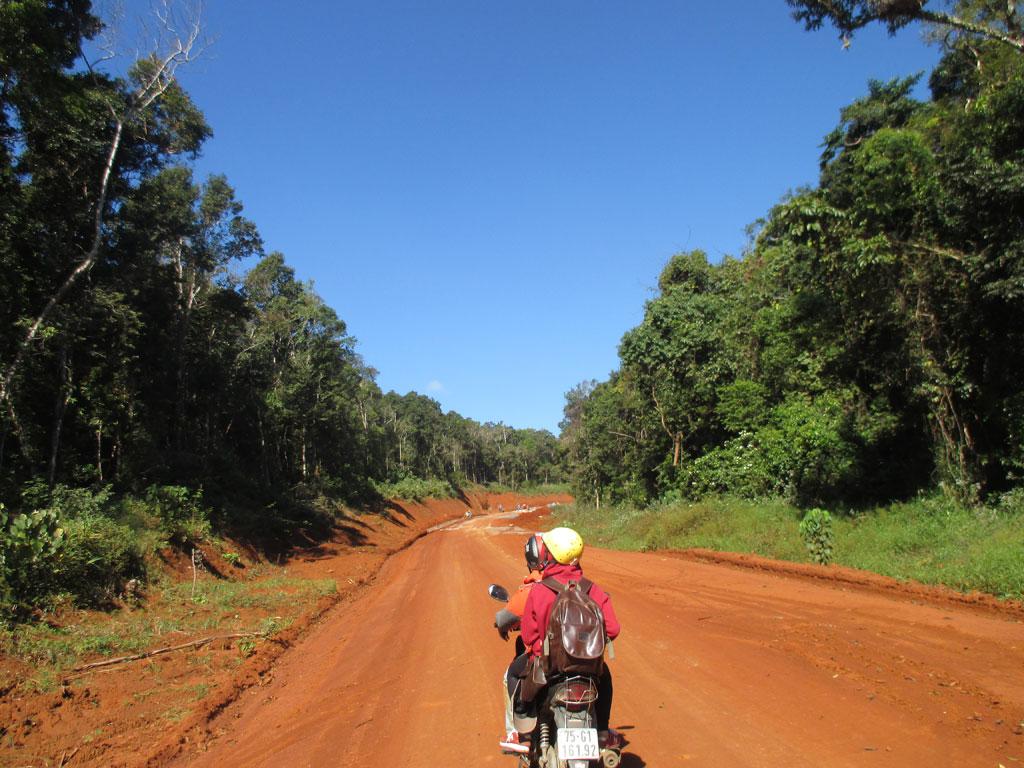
(272, 594)
(543, 489)
(931, 540)
(769, 530)
(270, 605)
(965, 549)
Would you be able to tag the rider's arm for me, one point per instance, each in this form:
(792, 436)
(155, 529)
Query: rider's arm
(530, 628)
(505, 620)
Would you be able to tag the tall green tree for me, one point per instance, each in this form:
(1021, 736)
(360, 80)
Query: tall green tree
(862, 349)
(75, 145)
(112, 129)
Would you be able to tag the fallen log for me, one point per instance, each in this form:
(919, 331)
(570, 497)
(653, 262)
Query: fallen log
(158, 651)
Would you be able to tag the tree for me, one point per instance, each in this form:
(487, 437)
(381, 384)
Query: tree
(863, 348)
(674, 357)
(66, 188)
(997, 20)
(599, 455)
(304, 380)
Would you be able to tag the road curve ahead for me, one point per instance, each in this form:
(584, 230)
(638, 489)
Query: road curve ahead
(716, 666)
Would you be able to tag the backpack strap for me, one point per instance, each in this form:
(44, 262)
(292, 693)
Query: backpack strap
(553, 584)
(556, 586)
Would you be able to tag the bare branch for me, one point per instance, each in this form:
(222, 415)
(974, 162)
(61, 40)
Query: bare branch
(948, 253)
(941, 18)
(158, 651)
(848, 16)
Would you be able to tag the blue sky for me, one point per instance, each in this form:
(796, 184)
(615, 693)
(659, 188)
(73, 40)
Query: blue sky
(485, 191)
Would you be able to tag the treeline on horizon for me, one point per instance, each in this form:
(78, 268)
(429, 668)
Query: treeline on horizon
(869, 345)
(133, 355)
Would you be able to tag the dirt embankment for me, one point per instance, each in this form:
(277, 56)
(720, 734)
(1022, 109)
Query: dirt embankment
(862, 581)
(129, 713)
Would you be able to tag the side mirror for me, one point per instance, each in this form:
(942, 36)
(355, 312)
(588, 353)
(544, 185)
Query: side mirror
(498, 593)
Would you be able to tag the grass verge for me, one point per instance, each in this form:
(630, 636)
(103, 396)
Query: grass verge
(172, 615)
(931, 540)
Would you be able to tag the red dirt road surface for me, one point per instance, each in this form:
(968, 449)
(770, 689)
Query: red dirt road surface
(716, 666)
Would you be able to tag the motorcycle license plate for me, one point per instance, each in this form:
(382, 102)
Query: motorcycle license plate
(578, 744)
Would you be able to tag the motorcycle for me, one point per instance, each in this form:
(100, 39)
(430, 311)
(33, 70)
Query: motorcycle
(565, 735)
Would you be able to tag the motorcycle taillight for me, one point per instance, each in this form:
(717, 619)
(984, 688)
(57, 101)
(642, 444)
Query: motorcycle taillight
(576, 691)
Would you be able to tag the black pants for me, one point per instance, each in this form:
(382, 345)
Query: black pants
(602, 709)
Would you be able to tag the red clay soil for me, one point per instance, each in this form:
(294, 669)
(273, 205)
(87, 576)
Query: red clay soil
(723, 661)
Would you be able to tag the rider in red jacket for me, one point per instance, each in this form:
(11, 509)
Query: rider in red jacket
(561, 554)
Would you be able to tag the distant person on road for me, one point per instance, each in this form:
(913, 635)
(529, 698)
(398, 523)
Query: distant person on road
(508, 619)
(560, 560)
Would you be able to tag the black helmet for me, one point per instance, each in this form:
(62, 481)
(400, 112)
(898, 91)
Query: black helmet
(534, 548)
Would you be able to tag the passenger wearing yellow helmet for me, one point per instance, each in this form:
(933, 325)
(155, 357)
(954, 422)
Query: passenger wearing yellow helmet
(560, 559)
(564, 545)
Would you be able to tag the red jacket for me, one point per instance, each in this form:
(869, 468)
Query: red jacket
(538, 607)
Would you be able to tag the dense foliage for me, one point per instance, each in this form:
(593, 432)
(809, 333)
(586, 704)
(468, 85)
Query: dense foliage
(133, 359)
(868, 345)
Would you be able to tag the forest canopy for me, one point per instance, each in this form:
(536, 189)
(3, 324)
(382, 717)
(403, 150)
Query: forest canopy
(867, 346)
(134, 351)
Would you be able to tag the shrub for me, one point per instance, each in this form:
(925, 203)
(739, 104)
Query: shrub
(539, 488)
(231, 558)
(29, 544)
(816, 529)
(43, 555)
(415, 489)
(1012, 502)
(736, 468)
(177, 508)
(79, 502)
(806, 451)
(99, 558)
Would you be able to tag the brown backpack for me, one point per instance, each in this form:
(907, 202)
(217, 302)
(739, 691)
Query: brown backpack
(574, 640)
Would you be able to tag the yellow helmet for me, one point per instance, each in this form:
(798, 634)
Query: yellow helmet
(563, 544)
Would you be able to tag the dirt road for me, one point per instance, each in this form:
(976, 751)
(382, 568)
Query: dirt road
(716, 666)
